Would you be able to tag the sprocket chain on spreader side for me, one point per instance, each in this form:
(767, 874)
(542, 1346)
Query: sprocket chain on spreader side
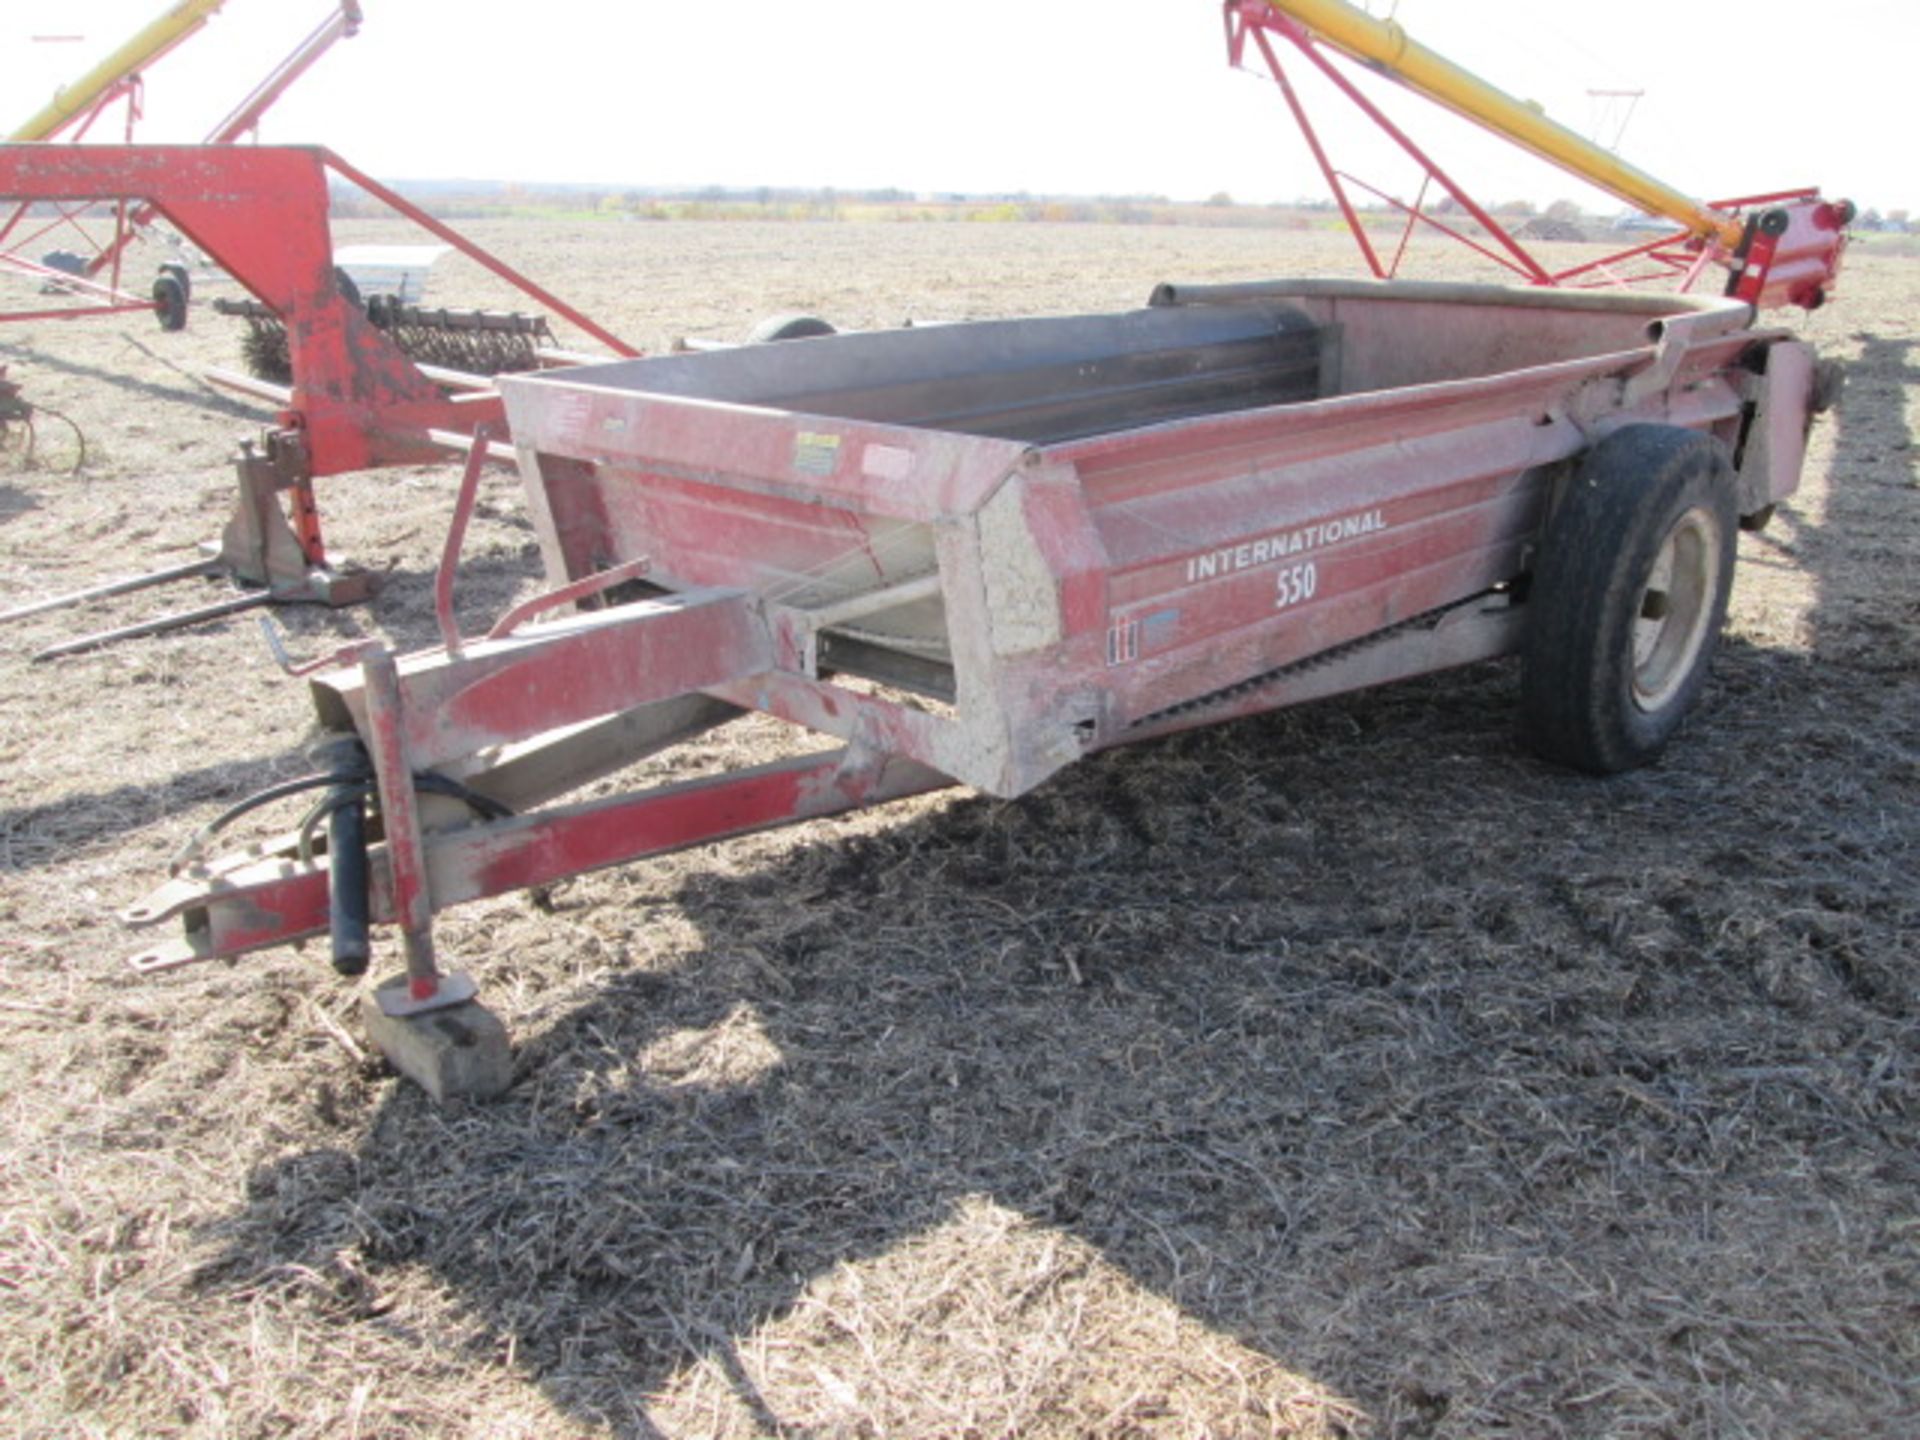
(1315, 661)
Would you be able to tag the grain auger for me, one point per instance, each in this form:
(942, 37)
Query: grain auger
(1781, 248)
(357, 384)
(472, 341)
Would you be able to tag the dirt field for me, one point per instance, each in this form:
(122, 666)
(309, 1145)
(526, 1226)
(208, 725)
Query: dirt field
(1345, 1072)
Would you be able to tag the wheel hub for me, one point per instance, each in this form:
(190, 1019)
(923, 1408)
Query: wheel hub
(1675, 610)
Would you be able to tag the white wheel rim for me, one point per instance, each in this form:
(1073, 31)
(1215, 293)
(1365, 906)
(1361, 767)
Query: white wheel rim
(1673, 616)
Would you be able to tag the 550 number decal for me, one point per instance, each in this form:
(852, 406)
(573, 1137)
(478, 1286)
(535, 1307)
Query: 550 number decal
(1295, 584)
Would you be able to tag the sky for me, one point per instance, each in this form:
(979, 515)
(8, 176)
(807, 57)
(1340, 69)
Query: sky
(999, 96)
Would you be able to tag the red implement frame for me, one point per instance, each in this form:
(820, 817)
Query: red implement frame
(1789, 254)
(356, 402)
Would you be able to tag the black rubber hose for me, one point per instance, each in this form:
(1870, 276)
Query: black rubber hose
(201, 837)
(348, 909)
(348, 782)
(485, 806)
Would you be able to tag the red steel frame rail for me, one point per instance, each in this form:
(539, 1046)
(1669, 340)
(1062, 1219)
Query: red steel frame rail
(568, 693)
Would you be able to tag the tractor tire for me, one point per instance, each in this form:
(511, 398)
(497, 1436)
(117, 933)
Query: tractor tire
(170, 301)
(1627, 599)
(789, 327)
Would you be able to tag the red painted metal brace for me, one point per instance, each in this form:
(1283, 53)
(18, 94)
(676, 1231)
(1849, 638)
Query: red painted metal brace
(540, 689)
(263, 902)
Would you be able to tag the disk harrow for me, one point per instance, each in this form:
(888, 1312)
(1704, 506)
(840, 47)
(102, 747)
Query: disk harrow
(474, 342)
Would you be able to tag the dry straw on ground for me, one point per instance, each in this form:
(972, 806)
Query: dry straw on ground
(1340, 1073)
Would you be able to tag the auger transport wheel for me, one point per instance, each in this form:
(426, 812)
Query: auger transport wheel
(172, 289)
(789, 327)
(1627, 600)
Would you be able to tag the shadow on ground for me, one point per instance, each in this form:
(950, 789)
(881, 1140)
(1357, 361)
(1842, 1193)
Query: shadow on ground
(1360, 1038)
(193, 390)
(32, 836)
(15, 501)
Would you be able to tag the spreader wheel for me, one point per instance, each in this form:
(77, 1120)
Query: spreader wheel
(1628, 598)
(790, 327)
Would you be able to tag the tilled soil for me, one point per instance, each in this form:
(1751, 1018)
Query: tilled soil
(1345, 1071)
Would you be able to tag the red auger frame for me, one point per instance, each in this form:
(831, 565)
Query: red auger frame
(1782, 248)
(356, 402)
(99, 271)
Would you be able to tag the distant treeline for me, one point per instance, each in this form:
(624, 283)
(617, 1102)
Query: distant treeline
(455, 200)
(471, 199)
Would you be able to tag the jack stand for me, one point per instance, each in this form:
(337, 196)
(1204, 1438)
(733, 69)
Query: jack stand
(425, 1021)
(282, 559)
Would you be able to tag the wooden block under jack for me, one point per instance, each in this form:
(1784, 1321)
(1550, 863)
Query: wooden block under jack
(460, 1051)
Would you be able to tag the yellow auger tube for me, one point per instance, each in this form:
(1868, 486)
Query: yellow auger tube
(180, 21)
(1384, 44)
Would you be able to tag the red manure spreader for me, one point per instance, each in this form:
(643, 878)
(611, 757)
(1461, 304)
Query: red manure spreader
(975, 553)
